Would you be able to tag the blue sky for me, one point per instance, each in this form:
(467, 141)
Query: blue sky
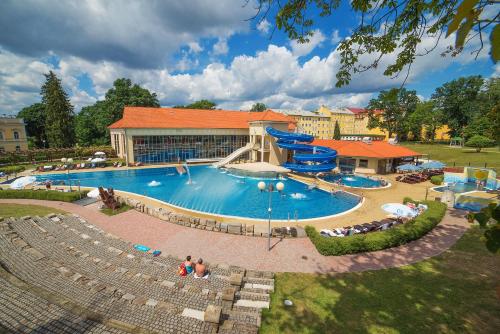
(185, 51)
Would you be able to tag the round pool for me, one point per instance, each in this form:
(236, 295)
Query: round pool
(216, 191)
(353, 180)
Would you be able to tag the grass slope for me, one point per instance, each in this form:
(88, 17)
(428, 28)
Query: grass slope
(20, 210)
(459, 156)
(451, 293)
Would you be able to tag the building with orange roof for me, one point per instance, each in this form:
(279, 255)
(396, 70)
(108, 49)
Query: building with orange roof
(369, 157)
(159, 135)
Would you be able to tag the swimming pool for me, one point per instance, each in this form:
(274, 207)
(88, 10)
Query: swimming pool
(352, 180)
(215, 191)
(458, 187)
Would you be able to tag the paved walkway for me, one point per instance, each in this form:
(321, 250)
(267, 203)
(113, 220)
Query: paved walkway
(287, 255)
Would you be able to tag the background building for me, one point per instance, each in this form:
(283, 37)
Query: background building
(317, 125)
(12, 135)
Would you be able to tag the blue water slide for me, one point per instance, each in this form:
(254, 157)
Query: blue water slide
(324, 157)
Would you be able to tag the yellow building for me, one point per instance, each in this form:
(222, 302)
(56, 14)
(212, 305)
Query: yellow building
(12, 135)
(343, 116)
(312, 123)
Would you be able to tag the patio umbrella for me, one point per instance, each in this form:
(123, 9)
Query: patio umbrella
(433, 165)
(409, 168)
(93, 193)
(99, 153)
(22, 182)
(399, 210)
(97, 160)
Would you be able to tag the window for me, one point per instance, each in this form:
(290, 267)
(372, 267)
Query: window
(16, 135)
(363, 163)
(1, 135)
(18, 148)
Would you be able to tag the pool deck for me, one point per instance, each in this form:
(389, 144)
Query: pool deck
(287, 255)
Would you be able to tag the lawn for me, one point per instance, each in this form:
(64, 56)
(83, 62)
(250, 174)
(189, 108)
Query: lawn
(111, 212)
(456, 292)
(20, 210)
(459, 156)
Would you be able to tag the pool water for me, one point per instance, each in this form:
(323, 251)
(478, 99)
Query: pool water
(218, 192)
(458, 187)
(352, 180)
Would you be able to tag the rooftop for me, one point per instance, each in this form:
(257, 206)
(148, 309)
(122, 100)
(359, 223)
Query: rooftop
(298, 112)
(376, 149)
(148, 118)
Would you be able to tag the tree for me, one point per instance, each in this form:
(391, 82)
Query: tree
(259, 106)
(390, 109)
(336, 131)
(59, 116)
(479, 142)
(458, 100)
(92, 122)
(388, 26)
(34, 118)
(201, 104)
(489, 220)
(425, 120)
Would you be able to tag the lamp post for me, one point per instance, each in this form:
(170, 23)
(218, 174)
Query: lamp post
(262, 187)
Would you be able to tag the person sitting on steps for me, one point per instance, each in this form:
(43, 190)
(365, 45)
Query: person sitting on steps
(200, 269)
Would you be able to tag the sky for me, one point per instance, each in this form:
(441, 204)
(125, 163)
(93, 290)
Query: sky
(199, 49)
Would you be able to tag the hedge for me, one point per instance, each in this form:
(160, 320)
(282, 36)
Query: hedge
(373, 241)
(12, 169)
(437, 179)
(49, 195)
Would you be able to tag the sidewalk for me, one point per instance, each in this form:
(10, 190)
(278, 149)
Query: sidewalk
(287, 255)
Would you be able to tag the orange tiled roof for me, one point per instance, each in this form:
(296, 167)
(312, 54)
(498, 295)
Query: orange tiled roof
(143, 117)
(377, 149)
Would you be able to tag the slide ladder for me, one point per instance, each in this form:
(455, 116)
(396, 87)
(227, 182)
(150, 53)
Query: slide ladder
(234, 155)
(311, 159)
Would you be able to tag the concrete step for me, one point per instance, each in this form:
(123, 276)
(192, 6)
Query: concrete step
(256, 287)
(253, 295)
(256, 280)
(258, 304)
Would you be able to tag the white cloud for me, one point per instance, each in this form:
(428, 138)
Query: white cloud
(221, 47)
(335, 39)
(302, 49)
(264, 26)
(195, 47)
(496, 72)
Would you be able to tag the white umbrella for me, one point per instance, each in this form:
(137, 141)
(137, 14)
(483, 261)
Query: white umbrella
(93, 193)
(89, 159)
(69, 160)
(99, 153)
(22, 182)
(399, 210)
(63, 159)
(97, 160)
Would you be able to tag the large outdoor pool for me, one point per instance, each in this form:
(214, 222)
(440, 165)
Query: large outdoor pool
(217, 192)
(351, 180)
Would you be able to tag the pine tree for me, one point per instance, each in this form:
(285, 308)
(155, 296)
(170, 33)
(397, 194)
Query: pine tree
(59, 115)
(336, 131)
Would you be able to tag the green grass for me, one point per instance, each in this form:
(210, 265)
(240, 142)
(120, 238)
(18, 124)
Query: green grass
(455, 292)
(121, 209)
(50, 195)
(459, 156)
(20, 210)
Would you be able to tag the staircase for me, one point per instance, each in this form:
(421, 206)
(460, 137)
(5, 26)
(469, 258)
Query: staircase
(234, 155)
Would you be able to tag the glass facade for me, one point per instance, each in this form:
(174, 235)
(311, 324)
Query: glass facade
(158, 149)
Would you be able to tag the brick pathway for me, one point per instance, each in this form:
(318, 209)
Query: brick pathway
(287, 255)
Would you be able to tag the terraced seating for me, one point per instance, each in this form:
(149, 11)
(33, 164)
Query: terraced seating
(72, 258)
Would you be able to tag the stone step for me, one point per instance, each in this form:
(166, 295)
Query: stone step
(256, 287)
(259, 274)
(252, 318)
(259, 304)
(232, 327)
(256, 280)
(192, 313)
(253, 295)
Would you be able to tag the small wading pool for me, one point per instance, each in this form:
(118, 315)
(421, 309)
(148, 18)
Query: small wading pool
(217, 191)
(458, 187)
(352, 180)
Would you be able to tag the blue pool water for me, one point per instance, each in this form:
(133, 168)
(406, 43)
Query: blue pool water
(351, 180)
(458, 187)
(215, 191)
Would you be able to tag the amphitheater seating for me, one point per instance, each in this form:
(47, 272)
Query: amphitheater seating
(69, 258)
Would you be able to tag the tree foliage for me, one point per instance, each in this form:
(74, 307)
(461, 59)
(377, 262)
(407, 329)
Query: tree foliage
(259, 106)
(59, 116)
(201, 104)
(34, 118)
(479, 142)
(397, 105)
(489, 220)
(92, 122)
(387, 26)
(424, 121)
(336, 131)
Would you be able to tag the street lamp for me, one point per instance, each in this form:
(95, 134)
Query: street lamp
(280, 186)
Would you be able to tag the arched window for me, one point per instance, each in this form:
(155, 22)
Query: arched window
(16, 135)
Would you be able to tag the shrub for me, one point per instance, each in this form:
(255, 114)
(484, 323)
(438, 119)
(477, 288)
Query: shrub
(373, 241)
(437, 179)
(479, 142)
(49, 195)
(12, 169)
